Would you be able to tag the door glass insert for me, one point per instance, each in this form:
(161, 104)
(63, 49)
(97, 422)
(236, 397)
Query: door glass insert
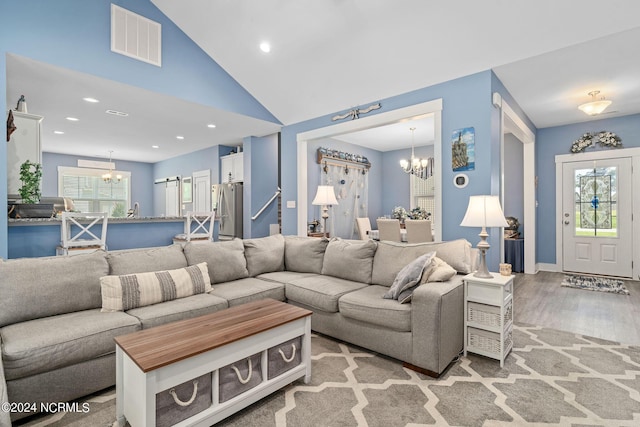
(595, 202)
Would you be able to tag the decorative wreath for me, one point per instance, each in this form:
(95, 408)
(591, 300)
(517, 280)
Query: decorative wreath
(604, 138)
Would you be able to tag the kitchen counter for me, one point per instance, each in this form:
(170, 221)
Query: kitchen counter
(38, 237)
(55, 221)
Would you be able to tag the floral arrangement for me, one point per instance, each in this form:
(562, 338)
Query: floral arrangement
(400, 213)
(604, 138)
(419, 213)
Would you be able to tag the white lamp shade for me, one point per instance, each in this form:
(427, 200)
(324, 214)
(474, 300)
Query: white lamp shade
(484, 211)
(325, 196)
(595, 107)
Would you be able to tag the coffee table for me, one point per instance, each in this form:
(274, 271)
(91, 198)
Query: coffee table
(156, 359)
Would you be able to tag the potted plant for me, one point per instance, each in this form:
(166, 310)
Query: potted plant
(30, 175)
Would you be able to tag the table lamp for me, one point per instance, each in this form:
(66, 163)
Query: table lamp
(484, 211)
(325, 197)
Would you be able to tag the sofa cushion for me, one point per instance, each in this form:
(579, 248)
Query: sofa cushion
(179, 309)
(264, 255)
(349, 259)
(121, 293)
(31, 289)
(410, 275)
(304, 254)
(146, 259)
(225, 260)
(391, 257)
(321, 292)
(367, 305)
(285, 276)
(250, 289)
(45, 344)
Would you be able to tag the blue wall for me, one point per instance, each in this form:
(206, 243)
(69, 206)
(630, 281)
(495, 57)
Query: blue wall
(141, 177)
(260, 184)
(75, 34)
(557, 140)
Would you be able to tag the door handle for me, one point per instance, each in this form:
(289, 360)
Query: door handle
(566, 222)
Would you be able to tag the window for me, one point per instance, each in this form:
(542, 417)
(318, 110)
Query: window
(90, 193)
(422, 195)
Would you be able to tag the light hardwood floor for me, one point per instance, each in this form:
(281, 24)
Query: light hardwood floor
(540, 300)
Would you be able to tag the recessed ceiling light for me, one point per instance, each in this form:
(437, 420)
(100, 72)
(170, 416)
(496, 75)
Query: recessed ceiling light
(58, 132)
(265, 47)
(92, 100)
(211, 125)
(155, 146)
(179, 137)
(72, 119)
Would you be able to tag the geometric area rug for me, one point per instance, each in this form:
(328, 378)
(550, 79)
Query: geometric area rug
(594, 283)
(551, 378)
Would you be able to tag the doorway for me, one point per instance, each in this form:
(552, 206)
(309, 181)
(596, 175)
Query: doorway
(596, 217)
(202, 191)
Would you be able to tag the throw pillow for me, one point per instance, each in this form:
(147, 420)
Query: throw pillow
(349, 259)
(409, 276)
(439, 271)
(121, 293)
(225, 259)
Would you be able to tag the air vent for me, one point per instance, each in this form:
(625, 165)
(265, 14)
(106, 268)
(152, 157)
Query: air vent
(135, 36)
(117, 113)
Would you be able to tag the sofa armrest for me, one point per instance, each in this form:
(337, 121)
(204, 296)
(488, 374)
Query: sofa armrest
(5, 419)
(437, 323)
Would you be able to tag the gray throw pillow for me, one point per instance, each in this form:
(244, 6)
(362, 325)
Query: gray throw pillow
(409, 276)
(304, 254)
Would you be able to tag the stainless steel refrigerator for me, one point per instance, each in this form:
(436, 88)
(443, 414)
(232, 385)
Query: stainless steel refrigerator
(229, 210)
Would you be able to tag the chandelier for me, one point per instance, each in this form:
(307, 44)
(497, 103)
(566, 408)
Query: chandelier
(422, 168)
(108, 177)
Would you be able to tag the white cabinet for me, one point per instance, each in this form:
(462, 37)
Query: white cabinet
(23, 145)
(488, 316)
(232, 168)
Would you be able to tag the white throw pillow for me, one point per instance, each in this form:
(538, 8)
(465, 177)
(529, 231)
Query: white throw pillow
(121, 293)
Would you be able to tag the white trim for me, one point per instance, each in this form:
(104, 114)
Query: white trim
(634, 153)
(431, 107)
(510, 121)
(542, 266)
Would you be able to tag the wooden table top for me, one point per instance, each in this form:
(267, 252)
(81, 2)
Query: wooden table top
(166, 344)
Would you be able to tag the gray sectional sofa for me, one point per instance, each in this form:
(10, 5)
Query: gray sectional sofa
(57, 342)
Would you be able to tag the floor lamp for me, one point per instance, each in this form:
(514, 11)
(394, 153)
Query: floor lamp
(484, 211)
(325, 197)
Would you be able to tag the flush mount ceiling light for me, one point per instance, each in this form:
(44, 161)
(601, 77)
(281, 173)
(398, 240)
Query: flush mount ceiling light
(58, 132)
(155, 146)
(596, 106)
(91, 100)
(72, 119)
(211, 125)
(180, 137)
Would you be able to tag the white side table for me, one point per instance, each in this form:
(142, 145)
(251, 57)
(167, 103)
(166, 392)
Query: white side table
(488, 315)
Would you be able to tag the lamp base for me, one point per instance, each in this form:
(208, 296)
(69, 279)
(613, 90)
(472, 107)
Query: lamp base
(483, 246)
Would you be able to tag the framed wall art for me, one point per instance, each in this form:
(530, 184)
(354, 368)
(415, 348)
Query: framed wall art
(463, 150)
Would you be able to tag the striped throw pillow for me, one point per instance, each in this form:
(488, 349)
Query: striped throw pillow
(121, 293)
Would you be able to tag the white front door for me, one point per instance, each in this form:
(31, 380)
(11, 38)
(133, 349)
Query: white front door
(202, 191)
(596, 217)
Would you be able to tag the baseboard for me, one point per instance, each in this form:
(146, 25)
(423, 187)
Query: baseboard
(541, 266)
